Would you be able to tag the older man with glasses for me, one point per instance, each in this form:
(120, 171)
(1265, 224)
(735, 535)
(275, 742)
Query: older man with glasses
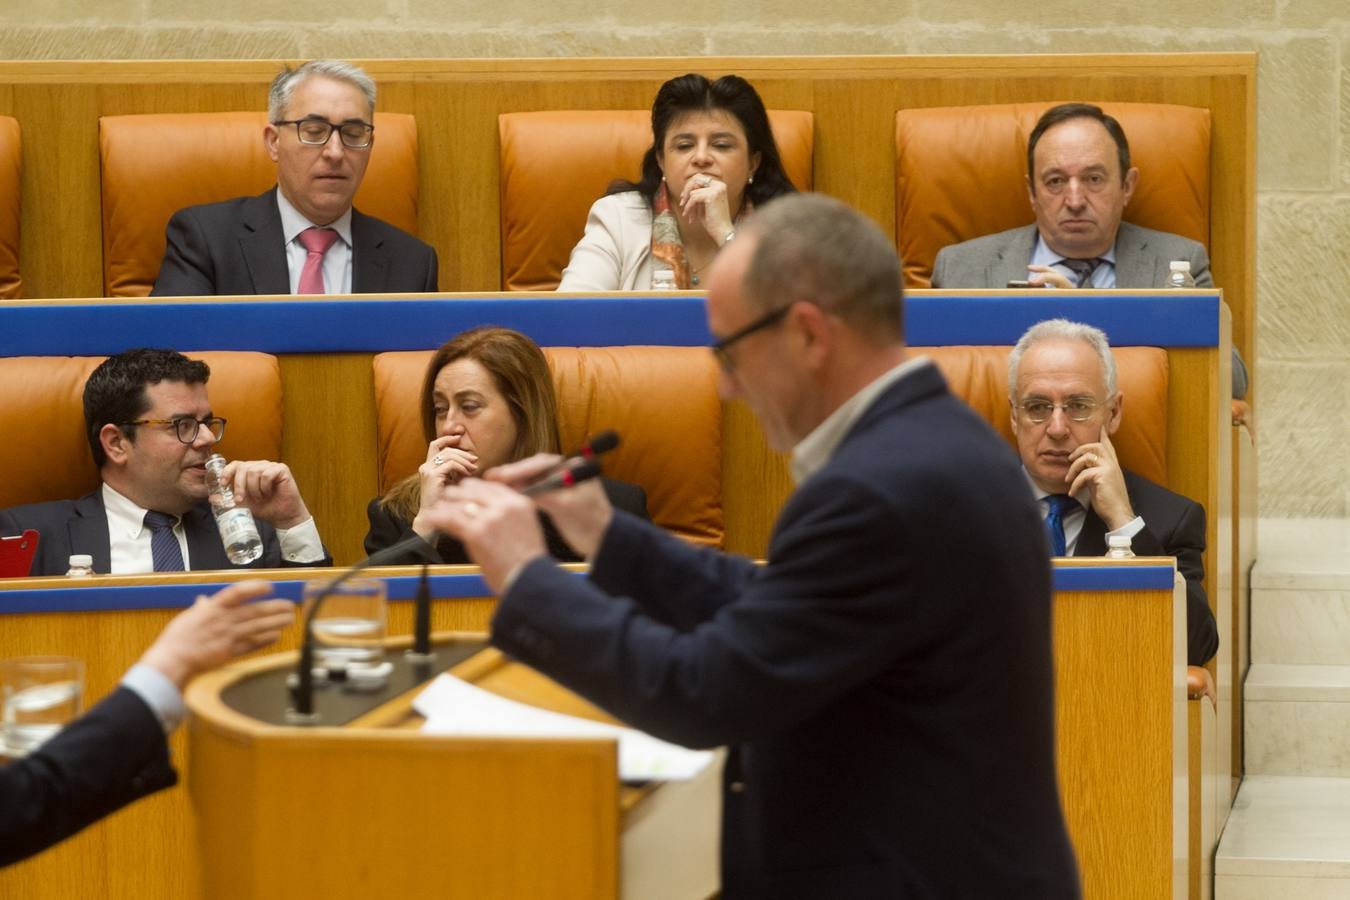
(151, 429)
(302, 236)
(1065, 406)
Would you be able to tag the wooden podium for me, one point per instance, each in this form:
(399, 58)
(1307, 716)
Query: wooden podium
(373, 807)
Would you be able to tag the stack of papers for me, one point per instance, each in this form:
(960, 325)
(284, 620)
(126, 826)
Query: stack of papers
(453, 706)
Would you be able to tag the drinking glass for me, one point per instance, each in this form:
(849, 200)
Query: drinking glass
(350, 626)
(39, 695)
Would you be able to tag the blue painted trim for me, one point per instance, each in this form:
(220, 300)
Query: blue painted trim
(1112, 578)
(367, 325)
(1144, 319)
(92, 598)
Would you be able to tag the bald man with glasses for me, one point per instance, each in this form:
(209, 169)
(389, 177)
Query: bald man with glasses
(151, 429)
(1065, 405)
(302, 236)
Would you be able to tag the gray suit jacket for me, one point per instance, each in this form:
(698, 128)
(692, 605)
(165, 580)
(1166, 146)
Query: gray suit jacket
(238, 247)
(1142, 257)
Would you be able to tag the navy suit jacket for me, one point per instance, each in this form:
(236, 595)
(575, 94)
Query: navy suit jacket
(110, 756)
(1173, 526)
(67, 527)
(885, 682)
(238, 247)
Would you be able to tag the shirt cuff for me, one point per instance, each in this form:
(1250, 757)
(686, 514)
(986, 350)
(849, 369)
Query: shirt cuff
(158, 692)
(1129, 529)
(301, 544)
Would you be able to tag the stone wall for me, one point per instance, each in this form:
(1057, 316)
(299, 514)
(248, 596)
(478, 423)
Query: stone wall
(1303, 207)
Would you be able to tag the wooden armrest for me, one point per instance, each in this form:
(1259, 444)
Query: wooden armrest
(1199, 683)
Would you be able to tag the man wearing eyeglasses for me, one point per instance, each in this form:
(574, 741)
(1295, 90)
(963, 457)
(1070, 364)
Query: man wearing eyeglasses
(151, 428)
(884, 682)
(303, 236)
(1065, 406)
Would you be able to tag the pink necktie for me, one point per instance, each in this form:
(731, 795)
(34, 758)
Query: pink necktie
(316, 242)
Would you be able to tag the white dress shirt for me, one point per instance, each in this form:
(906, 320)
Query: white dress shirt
(337, 262)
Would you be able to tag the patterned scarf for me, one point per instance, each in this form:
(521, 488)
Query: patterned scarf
(667, 247)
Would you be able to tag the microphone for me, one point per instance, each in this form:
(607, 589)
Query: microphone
(583, 470)
(602, 443)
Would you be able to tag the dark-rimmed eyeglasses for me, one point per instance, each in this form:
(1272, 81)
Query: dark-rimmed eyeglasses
(769, 319)
(1080, 409)
(354, 134)
(187, 427)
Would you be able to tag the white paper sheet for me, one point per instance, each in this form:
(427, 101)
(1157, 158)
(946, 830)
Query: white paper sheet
(453, 706)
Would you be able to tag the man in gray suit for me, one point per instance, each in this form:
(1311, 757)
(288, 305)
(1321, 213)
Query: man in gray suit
(1079, 180)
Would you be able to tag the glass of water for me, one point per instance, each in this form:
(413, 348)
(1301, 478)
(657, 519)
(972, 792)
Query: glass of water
(40, 694)
(350, 626)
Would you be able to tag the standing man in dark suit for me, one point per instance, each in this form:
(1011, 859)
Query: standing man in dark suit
(117, 752)
(151, 429)
(1065, 406)
(303, 236)
(1079, 181)
(884, 683)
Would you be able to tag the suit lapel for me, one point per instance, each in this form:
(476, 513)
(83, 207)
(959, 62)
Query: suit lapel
(370, 259)
(205, 551)
(263, 245)
(1012, 259)
(1136, 265)
(87, 531)
(1092, 539)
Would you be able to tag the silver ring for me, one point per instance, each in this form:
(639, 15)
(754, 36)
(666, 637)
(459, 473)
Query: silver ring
(436, 460)
(472, 509)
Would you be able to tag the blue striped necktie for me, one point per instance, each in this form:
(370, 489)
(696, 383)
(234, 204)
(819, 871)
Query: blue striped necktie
(1060, 506)
(164, 549)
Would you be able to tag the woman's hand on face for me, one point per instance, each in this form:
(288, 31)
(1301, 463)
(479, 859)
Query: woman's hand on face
(446, 464)
(704, 201)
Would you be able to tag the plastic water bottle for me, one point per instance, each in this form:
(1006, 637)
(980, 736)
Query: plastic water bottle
(1118, 547)
(663, 278)
(238, 531)
(1179, 274)
(81, 566)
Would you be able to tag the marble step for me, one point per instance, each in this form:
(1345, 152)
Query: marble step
(1297, 720)
(1300, 606)
(1287, 837)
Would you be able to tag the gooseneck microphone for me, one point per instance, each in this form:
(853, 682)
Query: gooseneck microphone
(582, 466)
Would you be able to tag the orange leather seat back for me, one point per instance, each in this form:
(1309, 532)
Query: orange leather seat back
(45, 454)
(961, 173)
(979, 375)
(555, 164)
(662, 401)
(154, 165)
(10, 162)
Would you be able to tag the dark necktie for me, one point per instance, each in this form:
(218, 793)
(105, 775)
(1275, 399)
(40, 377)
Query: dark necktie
(1082, 268)
(1060, 506)
(164, 549)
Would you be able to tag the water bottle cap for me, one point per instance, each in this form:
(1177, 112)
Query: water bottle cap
(81, 560)
(1179, 265)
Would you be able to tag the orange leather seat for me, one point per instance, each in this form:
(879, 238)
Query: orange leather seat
(10, 161)
(555, 164)
(979, 375)
(154, 165)
(45, 454)
(960, 173)
(662, 401)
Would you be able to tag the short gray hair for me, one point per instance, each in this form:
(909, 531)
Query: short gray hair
(288, 79)
(815, 248)
(1063, 329)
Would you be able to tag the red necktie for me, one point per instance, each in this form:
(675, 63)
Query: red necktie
(316, 242)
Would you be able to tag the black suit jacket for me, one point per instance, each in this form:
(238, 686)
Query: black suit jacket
(110, 756)
(885, 682)
(1173, 526)
(387, 529)
(67, 527)
(237, 247)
